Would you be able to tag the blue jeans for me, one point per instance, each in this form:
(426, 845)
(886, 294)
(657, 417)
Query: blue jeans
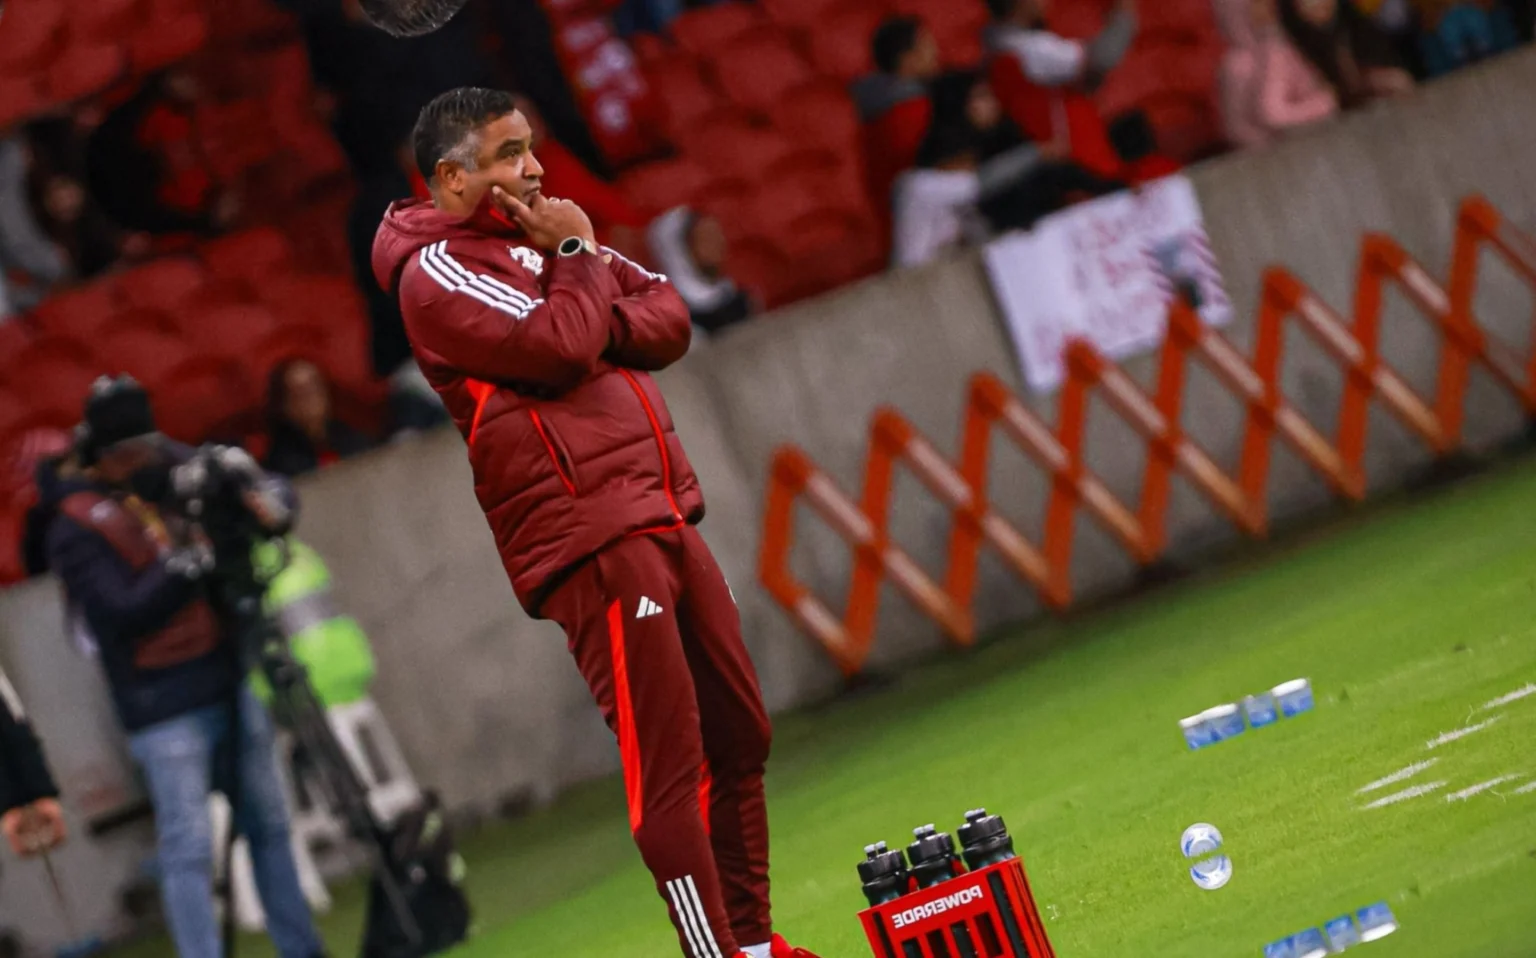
(183, 760)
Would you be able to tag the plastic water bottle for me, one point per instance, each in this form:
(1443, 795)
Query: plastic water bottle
(1202, 841)
(1260, 710)
(1197, 731)
(984, 839)
(1295, 697)
(933, 858)
(1376, 921)
(1309, 944)
(1225, 721)
(1284, 948)
(1342, 932)
(884, 873)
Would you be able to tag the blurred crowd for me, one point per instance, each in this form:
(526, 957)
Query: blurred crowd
(755, 151)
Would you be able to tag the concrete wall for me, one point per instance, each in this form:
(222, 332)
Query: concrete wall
(487, 703)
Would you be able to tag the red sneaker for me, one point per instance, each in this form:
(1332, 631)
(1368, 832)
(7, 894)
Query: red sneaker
(783, 949)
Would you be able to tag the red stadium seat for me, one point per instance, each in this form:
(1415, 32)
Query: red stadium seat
(821, 114)
(14, 336)
(657, 187)
(333, 305)
(250, 256)
(161, 284)
(32, 36)
(84, 68)
(236, 136)
(687, 96)
(77, 313)
(840, 45)
(145, 352)
(290, 342)
(650, 48)
(173, 31)
(52, 376)
(758, 154)
(20, 97)
(241, 21)
(233, 330)
(704, 30)
(756, 72)
(201, 398)
(810, 16)
(104, 19)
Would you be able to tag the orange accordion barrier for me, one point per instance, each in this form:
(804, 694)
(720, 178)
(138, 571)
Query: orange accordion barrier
(991, 406)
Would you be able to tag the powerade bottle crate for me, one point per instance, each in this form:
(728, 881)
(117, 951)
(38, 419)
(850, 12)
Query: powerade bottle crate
(954, 911)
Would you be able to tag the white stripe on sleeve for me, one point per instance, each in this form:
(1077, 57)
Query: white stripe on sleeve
(447, 273)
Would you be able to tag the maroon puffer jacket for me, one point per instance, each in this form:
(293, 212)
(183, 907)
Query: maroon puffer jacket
(541, 361)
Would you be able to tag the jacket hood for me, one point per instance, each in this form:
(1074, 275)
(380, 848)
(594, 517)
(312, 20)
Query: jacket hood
(878, 93)
(409, 225)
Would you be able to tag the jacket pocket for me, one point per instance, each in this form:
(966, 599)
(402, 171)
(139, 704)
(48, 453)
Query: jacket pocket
(559, 455)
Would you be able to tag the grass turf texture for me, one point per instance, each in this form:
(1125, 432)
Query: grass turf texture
(1406, 622)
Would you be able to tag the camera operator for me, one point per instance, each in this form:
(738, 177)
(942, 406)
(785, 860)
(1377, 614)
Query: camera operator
(32, 820)
(145, 579)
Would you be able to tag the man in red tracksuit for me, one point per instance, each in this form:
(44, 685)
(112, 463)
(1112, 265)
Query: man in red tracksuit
(540, 344)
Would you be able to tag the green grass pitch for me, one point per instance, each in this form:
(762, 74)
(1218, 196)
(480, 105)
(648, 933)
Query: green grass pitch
(1406, 621)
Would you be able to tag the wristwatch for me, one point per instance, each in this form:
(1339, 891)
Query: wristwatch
(573, 245)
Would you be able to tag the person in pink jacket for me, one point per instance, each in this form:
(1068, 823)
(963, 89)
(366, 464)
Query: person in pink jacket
(1267, 87)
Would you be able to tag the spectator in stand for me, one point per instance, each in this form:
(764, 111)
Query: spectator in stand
(1267, 87)
(690, 248)
(73, 220)
(1355, 56)
(1045, 80)
(30, 264)
(145, 162)
(303, 430)
(976, 173)
(893, 104)
(1458, 33)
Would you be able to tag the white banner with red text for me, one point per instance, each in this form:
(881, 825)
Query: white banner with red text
(1105, 271)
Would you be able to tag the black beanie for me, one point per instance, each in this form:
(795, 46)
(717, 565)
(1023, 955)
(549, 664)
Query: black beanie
(117, 410)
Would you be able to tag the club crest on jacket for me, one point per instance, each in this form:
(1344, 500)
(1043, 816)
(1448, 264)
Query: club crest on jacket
(528, 259)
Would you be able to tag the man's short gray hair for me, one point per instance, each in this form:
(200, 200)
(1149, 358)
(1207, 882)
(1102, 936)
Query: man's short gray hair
(448, 127)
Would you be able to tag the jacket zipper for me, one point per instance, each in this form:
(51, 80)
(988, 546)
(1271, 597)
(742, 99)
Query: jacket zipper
(554, 456)
(661, 442)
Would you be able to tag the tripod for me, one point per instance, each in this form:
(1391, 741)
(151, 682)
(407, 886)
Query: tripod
(297, 708)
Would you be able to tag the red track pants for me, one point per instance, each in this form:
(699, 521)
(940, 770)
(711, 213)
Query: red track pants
(655, 631)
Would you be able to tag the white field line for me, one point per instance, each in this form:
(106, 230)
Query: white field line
(1405, 795)
(1514, 696)
(1397, 776)
(1526, 789)
(1449, 737)
(1479, 788)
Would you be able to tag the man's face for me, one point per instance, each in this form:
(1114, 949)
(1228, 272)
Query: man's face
(504, 158)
